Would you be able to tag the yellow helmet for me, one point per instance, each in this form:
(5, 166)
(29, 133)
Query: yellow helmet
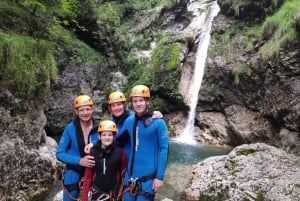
(140, 91)
(107, 125)
(82, 100)
(115, 97)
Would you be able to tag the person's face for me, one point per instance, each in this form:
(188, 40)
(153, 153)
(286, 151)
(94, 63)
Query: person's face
(107, 138)
(117, 109)
(85, 113)
(139, 105)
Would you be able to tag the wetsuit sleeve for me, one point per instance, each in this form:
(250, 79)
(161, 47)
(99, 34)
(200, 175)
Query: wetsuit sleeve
(163, 140)
(123, 138)
(66, 148)
(87, 182)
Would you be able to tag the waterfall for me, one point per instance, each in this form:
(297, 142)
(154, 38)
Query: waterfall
(205, 22)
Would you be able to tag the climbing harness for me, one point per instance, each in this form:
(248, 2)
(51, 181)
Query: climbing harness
(134, 187)
(98, 195)
(69, 187)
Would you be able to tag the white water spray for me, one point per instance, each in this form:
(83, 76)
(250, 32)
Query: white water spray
(209, 11)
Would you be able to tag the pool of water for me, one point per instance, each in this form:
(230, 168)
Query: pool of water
(179, 170)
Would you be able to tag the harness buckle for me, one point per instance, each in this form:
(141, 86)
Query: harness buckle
(133, 186)
(133, 181)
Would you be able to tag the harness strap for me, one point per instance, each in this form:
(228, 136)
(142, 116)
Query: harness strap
(147, 177)
(74, 186)
(147, 195)
(69, 187)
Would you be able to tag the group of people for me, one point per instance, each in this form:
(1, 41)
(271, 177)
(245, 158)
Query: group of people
(121, 158)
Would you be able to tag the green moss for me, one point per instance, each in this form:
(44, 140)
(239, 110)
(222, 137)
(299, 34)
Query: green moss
(246, 152)
(27, 65)
(233, 170)
(214, 193)
(240, 69)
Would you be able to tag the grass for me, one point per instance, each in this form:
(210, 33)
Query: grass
(279, 30)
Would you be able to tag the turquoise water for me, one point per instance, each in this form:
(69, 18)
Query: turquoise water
(181, 153)
(178, 174)
(179, 170)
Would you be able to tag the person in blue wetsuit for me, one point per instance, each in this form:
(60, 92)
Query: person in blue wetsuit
(149, 138)
(119, 113)
(81, 131)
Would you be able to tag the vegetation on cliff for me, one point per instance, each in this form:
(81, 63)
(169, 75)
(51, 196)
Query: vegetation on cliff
(34, 32)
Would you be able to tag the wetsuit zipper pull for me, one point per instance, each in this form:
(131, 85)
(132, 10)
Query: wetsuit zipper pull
(104, 166)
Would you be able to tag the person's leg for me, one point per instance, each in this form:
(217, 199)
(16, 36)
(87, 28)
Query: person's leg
(71, 185)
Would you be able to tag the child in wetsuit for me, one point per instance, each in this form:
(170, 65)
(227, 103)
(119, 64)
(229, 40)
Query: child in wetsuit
(103, 181)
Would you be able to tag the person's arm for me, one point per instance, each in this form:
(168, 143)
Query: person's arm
(66, 144)
(87, 182)
(122, 138)
(163, 140)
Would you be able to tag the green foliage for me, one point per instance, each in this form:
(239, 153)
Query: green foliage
(109, 15)
(140, 74)
(166, 64)
(157, 103)
(27, 65)
(240, 68)
(149, 4)
(279, 29)
(82, 53)
(227, 42)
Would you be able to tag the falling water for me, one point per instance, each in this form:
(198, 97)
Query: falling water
(206, 19)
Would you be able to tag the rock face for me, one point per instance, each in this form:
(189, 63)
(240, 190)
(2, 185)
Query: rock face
(27, 162)
(259, 105)
(248, 172)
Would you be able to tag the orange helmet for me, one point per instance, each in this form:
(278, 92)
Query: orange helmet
(140, 91)
(115, 97)
(82, 100)
(107, 125)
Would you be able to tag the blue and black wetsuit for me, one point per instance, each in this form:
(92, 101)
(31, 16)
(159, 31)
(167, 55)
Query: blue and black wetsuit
(106, 176)
(149, 154)
(124, 140)
(69, 151)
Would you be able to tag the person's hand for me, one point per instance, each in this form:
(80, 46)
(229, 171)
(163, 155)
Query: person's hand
(87, 161)
(88, 147)
(157, 184)
(157, 114)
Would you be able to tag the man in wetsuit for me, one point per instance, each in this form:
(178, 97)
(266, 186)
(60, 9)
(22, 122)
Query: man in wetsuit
(149, 149)
(81, 131)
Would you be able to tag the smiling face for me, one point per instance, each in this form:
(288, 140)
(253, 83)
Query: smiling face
(107, 138)
(140, 105)
(85, 113)
(117, 109)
